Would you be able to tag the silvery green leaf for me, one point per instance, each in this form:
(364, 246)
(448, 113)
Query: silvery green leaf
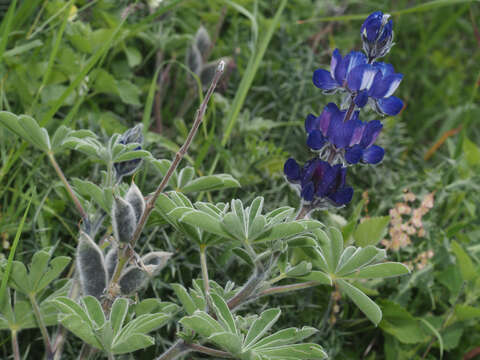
(285, 337)
(162, 166)
(185, 176)
(234, 226)
(289, 229)
(202, 323)
(91, 267)
(278, 215)
(135, 198)
(124, 221)
(318, 276)
(361, 257)
(94, 310)
(298, 270)
(371, 231)
(228, 341)
(187, 302)
(27, 128)
(118, 313)
(294, 351)
(132, 343)
(260, 327)
(382, 270)
(205, 222)
(223, 313)
(244, 255)
(364, 303)
(89, 190)
(210, 183)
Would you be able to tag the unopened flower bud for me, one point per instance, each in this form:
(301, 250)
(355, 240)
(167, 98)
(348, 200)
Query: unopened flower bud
(91, 267)
(132, 135)
(135, 198)
(123, 220)
(111, 260)
(377, 35)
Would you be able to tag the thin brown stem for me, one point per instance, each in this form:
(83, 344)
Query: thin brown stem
(15, 347)
(209, 351)
(349, 113)
(177, 349)
(125, 255)
(41, 325)
(70, 191)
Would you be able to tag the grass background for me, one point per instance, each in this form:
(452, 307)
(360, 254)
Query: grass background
(81, 64)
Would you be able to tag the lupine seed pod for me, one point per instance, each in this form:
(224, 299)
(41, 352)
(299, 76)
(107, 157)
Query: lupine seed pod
(134, 278)
(91, 267)
(123, 220)
(111, 260)
(135, 198)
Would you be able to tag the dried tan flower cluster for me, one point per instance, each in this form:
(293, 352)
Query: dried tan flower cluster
(406, 221)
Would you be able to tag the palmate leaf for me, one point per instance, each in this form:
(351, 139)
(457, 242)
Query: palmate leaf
(261, 326)
(27, 128)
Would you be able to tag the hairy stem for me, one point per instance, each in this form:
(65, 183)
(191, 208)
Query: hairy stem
(287, 288)
(209, 351)
(247, 290)
(41, 325)
(127, 252)
(349, 113)
(70, 191)
(16, 349)
(177, 349)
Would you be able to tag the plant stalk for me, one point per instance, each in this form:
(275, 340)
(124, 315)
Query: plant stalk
(15, 347)
(287, 288)
(70, 191)
(177, 349)
(206, 285)
(41, 325)
(209, 351)
(125, 255)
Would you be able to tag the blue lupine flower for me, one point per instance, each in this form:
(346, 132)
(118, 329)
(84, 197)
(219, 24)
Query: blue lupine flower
(377, 35)
(132, 135)
(362, 80)
(321, 184)
(349, 141)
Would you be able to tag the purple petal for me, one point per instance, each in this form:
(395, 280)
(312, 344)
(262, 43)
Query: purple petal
(291, 169)
(354, 154)
(342, 196)
(357, 133)
(307, 191)
(361, 99)
(327, 181)
(390, 106)
(373, 155)
(386, 69)
(341, 134)
(354, 59)
(331, 111)
(315, 140)
(311, 123)
(361, 77)
(323, 80)
(370, 134)
(341, 70)
(336, 59)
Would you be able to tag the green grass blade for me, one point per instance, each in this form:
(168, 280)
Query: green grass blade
(6, 25)
(8, 268)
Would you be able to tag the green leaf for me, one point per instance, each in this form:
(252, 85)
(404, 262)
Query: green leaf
(464, 262)
(382, 270)
(143, 324)
(319, 276)
(260, 326)
(185, 299)
(228, 341)
(210, 183)
(244, 255)
(436, 333)
(202, 323)
(223, 313)
(336, 240)
(27, 128)
(285, 337)
(118, 313)
(365, 304)
(81, 329)
(185, 176)
(466, 312)
(471, 151)
(285, 230)
(52, 272)
(234, 226)
(360, 258)
(94, 310)
(299, 270)
(205, 222)
(128, 92)
(132, 343)
(293, 352)
(400, 323)
(19, 278)
(371, 231)
(132, 155)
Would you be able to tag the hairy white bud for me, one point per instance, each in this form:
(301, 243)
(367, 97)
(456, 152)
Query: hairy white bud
(135, 198)
(123, 220)
(91, 267)
(111, 260)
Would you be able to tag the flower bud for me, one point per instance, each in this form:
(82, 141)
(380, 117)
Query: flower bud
(111, 260)
(135, 198)
(123, 220)
(132, 135)
(377, 35)
(91, 267)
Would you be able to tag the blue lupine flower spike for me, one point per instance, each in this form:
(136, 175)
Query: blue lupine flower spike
(377, 35)
(320, 184)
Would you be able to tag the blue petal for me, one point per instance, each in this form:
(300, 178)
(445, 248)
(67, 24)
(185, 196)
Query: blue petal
(292, 170)
(361, 77)
(342, 196)
(373, 155)
(361, 99)
(371, 25)
(354, 154)
(392, 83)
(341, 70)
(336, 59)
(336, 119)
(323, 80)
(390, 106)
(386, 69)
(310, 123)
(358, 132)
(341, 134)
(387, 31)
(370, 133)
(308, 191)
(315, 140)
(354, 59)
